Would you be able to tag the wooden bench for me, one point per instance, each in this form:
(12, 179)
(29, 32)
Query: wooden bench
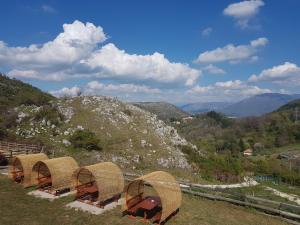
(86, 189)
(133, 203)
(44, 181)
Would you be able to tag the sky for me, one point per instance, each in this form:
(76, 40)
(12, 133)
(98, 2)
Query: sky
(175, 51)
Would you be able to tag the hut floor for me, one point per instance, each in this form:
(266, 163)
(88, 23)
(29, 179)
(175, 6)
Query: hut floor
(45, 195)
(79, 205)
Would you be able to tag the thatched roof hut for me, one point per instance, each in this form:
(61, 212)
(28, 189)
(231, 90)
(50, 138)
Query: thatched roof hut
(107, 178)
(20, 168)
(58, 170)
(166, 188)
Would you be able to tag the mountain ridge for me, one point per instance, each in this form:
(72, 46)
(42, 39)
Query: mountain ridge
(164, 110)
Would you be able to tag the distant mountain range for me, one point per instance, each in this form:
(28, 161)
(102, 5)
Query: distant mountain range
(202, 107)
(253, 106)
(258, 104)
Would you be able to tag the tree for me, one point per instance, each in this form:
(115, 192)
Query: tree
(85, 139)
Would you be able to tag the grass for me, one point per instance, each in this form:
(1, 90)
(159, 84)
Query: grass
(278, 150)
(284, 188)
(17, 208)
(257, 191)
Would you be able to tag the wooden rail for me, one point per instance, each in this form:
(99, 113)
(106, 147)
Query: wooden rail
(11, 149)
(268, 210)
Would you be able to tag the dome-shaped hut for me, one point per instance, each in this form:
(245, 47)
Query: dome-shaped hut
(158, 208)
(55, 175)
(20, 168)
(99, 184)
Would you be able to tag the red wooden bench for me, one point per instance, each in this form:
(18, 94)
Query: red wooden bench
(18, 175)
(86, 189)
(133, 203)
(44, 181)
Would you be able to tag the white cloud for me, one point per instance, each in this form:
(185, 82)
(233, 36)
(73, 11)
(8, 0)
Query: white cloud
(75, 42)
(113, 62)
(207, 32)
(259, 42)
(233, 89)
(243, 11)
(95, 87)
(69, 92)
(285, 73)
(214, 69)
(232, 53)
(32, 74)
(76, 53)
(48, 9)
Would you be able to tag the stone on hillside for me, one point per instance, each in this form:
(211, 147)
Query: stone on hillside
(66, 142)
(79, 127)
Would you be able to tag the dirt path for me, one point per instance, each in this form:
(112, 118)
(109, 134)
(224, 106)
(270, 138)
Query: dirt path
(290, 197)
(248, 182)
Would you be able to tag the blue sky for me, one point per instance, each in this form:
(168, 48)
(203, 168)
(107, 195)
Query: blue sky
(176, 51)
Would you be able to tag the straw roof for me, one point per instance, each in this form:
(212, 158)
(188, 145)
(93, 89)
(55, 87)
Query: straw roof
(25, 164)
(61, 171)
(166, 187)
(107, 176)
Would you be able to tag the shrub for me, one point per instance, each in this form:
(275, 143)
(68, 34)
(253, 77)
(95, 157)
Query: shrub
(3, 133)
(85, 139)
(49, 113)
(220, 119)
(127, 112)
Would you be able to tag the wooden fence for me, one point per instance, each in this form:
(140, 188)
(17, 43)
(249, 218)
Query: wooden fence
(11, 149)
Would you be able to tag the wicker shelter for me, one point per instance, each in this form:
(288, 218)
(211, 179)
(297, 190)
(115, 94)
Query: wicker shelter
(166, 187)
(20, 168)
(55, 174)
(99, 182)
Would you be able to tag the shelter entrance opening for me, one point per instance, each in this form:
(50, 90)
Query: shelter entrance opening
(17, 171)
(86, 187)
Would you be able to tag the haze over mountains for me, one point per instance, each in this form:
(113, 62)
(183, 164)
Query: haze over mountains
(253, 106)
(202, 107)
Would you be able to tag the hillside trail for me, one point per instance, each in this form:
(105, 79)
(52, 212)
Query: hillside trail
(248, 182)
(290, 197)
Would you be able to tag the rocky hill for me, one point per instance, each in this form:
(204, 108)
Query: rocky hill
(164, 111)
(131, 137)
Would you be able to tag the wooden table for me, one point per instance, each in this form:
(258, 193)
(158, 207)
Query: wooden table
(147, 204)
(91, 189)
(150, 203)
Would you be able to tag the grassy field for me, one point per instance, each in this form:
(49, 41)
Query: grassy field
(17, 208)
(275, 151)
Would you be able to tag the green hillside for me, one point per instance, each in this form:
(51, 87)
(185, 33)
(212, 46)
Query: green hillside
(14, 93)
(165, 111)
(223, 140)
(290, 106)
